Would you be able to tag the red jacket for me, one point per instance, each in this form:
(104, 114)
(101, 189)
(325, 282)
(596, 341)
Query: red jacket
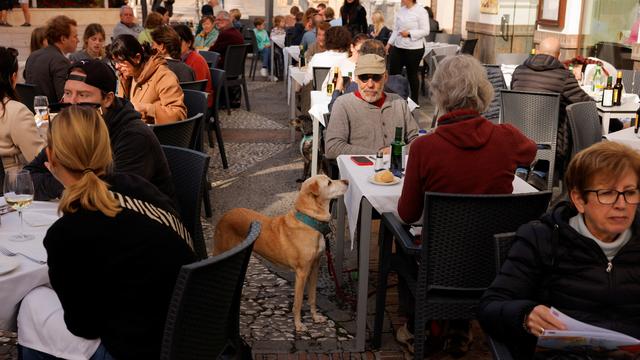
(201, 70)
(230, 36)
(467, 154)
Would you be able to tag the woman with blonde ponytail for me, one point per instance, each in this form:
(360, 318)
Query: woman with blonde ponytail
(113, 256)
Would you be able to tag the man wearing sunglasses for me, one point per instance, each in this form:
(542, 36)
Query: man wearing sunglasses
(136, 149)
(364, 121)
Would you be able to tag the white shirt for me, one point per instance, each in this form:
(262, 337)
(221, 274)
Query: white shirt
(416, 21)
(329, 59)
(610, 249)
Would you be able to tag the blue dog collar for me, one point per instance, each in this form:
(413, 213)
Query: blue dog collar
(320, 226)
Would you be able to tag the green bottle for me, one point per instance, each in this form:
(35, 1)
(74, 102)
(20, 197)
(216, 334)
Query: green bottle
(397, 153)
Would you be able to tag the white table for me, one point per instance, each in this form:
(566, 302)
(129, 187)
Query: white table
(288, 53)
(295, 80)
(359, 201)
(440, 49)
(28, 275)
(319, 106)
(626, 110)
(626, 137)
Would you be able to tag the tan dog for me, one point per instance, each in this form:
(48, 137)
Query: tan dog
(292, 240)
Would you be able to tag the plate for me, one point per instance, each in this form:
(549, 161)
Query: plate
(8, 264)
(395, 181)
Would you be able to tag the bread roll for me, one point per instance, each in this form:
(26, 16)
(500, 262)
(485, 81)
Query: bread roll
(384, 176)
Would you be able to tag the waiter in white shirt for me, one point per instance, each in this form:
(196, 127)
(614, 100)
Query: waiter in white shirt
(406, 44)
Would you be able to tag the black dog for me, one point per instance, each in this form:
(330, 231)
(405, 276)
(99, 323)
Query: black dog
(304, 124)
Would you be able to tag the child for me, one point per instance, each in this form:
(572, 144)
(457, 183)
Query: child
(264, 46)
(235, 17)
(278, 26)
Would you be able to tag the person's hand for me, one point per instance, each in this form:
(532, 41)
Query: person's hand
(386, 48)
(141, 108)
(267, 45)
(340, 83)
(540, 320)
(405, 34)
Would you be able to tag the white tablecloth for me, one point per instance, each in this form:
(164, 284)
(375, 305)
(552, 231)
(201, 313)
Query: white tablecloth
(625, 136)
(440, 49)
(28, 275)
(382, 198)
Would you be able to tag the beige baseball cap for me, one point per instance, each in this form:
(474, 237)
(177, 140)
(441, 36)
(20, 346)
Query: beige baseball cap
(370, 64)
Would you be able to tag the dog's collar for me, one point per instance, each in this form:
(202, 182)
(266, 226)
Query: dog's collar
(307, 137)
(321, 226)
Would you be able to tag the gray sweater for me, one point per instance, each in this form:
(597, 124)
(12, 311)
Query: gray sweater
(358, 127)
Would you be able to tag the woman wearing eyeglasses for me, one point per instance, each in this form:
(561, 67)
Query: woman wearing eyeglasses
(147, 82)
(20, 141)
(582, 258)
(113, 256)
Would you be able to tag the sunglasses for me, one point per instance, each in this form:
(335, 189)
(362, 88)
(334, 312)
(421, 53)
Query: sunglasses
(55, 108)
(366, 77)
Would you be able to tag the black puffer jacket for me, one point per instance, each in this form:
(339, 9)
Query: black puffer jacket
(545, 73)
(550, 263)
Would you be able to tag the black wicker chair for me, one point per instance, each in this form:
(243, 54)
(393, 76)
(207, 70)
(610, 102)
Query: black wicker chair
(26, 93)
(456, 257)
(199, 85)
(494, 74)
(217, 80)
(211, 57)
(453, 39)
(203, 321)
(234, 61)
(188, 171)
(319, 74)
(469, 46)
(584, 123)
(250, 38)
(178, 134)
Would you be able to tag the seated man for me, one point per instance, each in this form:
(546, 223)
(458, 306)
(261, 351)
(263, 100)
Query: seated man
(364, 121)
(228, 36)
(136, 149)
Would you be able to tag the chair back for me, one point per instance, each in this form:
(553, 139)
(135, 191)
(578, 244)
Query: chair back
(536, 115)
(631, 81)
(199, 85)
(494, 74)
(197, 103)
(217, 80)
(250, 37)
(457, 258)
(502, 243)
(511, 58)
(319, 74)
(26, 93)
(176, 134)
(211, 57)
(204, 314)
(585, 126)
(188, 171)
(469, 46)
(448, 38)
(234, 60)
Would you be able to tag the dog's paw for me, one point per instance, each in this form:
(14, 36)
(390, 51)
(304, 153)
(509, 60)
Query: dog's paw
(317, 318)
(300, 327)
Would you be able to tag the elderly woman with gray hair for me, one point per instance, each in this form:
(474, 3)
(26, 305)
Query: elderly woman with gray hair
(466, 154)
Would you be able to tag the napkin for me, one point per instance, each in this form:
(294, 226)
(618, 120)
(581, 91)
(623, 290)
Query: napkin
(35, 219)
(33, 248)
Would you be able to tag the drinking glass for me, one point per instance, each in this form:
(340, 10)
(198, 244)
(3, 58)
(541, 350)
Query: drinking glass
(18, 193)
(41, 108)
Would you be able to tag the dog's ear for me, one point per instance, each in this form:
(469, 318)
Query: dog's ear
(314, 188)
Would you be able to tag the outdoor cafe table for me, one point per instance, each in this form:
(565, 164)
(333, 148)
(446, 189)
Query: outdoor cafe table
(626, 137)
(319, 106)
(297, 75)
(361, 198)
(276, 40)
(28, 275)
(627, 109)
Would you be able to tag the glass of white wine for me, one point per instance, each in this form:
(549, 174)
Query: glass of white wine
(18, 193)
(41, 108)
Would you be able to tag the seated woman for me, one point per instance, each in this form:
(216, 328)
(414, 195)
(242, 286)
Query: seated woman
(193, 59)
(113, 256)
(92, 44)
(466, 154)
(581, 258)
(147, 82)
(205, 38)
(20, 141)
(378, 30)
(166, 42)
(337, 42)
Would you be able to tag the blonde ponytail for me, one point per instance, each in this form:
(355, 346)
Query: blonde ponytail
(81, 145)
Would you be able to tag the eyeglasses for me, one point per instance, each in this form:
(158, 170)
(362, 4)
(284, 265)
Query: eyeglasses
(366, 77)
(117, 62)
(610, 196)
(55, 108)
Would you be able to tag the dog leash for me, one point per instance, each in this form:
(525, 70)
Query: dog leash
(332, 271)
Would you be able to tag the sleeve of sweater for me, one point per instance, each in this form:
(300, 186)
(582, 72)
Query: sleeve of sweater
(73, 277)
(24, 132)
(411, 201)
(170, 106)
(410, 124)
(572, 91)
(45, 186)
(509, 299)
(423, 26)
(132, 155)
(337, 137)
(59, 72)
(523, 149)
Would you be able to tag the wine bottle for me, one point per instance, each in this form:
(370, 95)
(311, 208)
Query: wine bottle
(302, 61)
(397, 151)
(607, 93)
(598, 79)
(617, 90)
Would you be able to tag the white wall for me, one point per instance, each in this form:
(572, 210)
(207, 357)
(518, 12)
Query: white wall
(445, 13)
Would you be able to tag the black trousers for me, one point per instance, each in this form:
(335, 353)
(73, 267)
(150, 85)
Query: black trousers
(409, 58)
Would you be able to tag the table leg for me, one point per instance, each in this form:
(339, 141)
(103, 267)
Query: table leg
(292, 107)
(339, 251)
(363, 274)
(273, 51)
(314, 147)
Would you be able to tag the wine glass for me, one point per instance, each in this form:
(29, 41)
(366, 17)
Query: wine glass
(41, 108)
(18, 193)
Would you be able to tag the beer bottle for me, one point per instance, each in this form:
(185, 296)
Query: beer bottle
(397, 151)
(607, 93)
(617, 90)
(302, 61)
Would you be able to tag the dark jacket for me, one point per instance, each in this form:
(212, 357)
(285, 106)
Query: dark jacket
(136, 150)
(383, 35)
(354, 18)
(546, 73)
(48, 69)
(296, 32)
(474, 156)
(115, 276)
(183, 72)
(551, 264)
(230, 36)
